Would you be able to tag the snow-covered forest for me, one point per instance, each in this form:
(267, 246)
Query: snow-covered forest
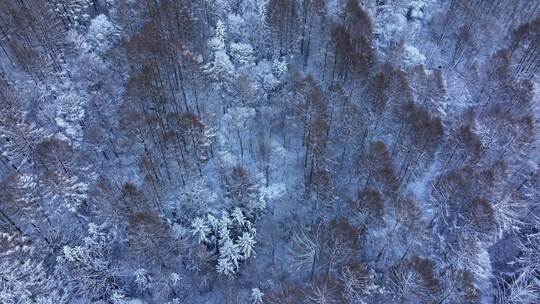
(269, 151)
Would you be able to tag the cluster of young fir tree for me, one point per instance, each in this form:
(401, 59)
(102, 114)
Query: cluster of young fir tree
(138, 138)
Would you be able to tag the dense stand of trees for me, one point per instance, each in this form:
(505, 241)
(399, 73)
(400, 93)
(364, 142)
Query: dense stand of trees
(279, 151)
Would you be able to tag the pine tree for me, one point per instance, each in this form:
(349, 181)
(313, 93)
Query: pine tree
(256, 296)
(230, 252)
(142, 279)
(239, 218)
(220, 68)
(246, 243)
(225, 267)
(200, 230)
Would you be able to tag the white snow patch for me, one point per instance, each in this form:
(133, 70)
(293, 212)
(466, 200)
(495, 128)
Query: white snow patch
(240, 115)
(274, 191)
(412, 56)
